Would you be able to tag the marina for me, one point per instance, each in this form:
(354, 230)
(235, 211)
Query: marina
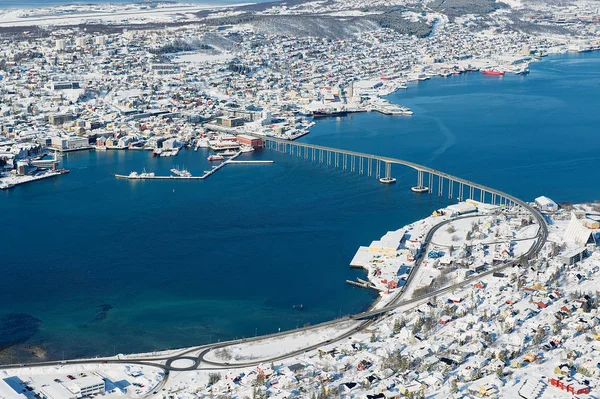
(186, 175)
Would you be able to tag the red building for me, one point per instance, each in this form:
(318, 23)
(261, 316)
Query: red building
(567, 384)
(249, 140)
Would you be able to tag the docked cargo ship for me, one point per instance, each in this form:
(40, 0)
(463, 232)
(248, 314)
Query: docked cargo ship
(492, 71)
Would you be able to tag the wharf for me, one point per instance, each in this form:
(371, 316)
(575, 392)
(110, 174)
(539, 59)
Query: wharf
(362, 284)
(204, 176)
(29, 179)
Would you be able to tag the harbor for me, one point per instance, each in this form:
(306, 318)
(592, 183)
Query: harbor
(185, 175)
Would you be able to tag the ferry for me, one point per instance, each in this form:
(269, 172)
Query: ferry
(215, 157)
(329, 112)
(419, 189)
(491, 71)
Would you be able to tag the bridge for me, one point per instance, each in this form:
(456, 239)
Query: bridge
(381, 168)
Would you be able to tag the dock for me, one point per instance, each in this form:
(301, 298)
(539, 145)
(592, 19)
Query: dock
(362, 284)
(206, 174)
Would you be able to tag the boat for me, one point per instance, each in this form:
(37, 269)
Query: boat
(492, 71)
(215, 157)
(181, 173)
(228, 153)
(157, 152)
(246, 148)
(145, 174)
(387, 180)
(100, 148)
(328, 112)
(523, 71)
(419, 189)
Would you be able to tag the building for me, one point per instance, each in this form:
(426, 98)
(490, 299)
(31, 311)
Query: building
(59, 119)
(61, 44)
(75, 389)
(545, 204)
(578, 233)
(76, 143)
(90, 385)
(573, 256)
(6, 392)
(164, 69)
(249, 140)
(64, 85)
(228, 121)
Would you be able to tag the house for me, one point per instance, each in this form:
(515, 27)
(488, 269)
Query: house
(545, 204)
(363, 365)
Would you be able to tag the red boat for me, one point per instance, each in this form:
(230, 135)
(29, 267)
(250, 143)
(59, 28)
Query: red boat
(492, 72)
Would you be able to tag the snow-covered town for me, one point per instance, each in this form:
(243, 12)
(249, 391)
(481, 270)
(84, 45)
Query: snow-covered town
(477, 300)
(478, 319)
(114, 77)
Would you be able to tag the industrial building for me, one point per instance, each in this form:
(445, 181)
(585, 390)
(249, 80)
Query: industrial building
(249, 140)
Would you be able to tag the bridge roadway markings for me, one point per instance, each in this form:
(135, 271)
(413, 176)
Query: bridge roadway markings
(371, 316)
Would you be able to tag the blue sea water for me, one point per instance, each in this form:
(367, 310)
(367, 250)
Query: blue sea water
(189, 262)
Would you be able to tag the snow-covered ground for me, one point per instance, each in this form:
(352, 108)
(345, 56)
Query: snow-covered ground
(265, 349)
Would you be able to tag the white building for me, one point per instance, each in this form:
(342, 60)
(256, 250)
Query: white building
(546, 204)
(90, 385)
(61, 44)
(75, 143)
(6, 392)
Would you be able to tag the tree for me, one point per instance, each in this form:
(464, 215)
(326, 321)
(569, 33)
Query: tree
(399, 325)
(453, 386)
(373, 338)
(500, 372)
(213, 378)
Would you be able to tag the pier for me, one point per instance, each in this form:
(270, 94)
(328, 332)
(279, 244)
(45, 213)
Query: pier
(206, 174)
(381, 168)
(362, 284)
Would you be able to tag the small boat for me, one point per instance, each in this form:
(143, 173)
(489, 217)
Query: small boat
(246, 148)
(215, 157)
(157, 152)
(228, 153)
(387, 180)
(181, 173)
(419, 189)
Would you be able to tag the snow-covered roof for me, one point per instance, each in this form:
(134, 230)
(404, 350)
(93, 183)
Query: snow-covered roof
(576, 233)
(542, 200)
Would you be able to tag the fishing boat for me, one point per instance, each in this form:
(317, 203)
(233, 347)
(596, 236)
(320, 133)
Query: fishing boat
(228, 153)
